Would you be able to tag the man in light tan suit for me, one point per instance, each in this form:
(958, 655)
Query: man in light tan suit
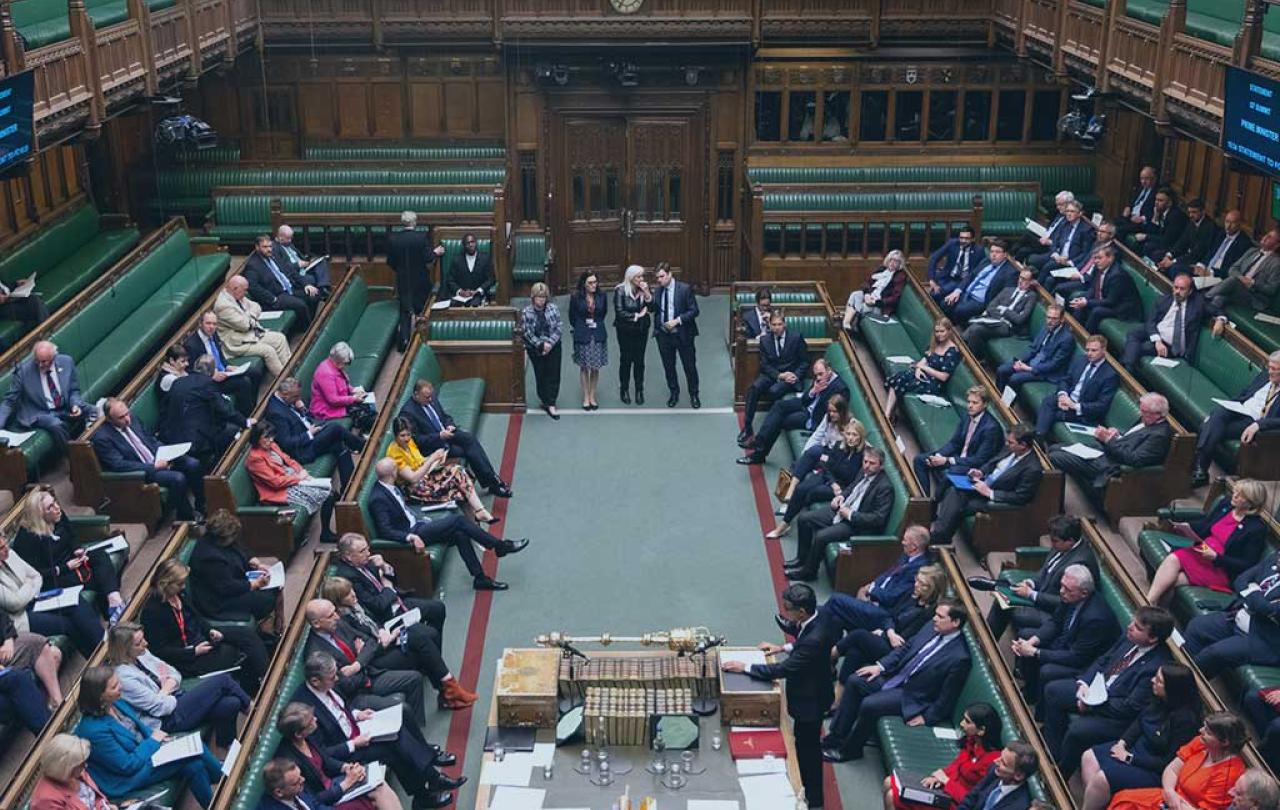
(240, 330)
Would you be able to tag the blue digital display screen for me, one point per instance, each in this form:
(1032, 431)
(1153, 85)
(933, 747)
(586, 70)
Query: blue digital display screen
(16, 131)
(1251, 119)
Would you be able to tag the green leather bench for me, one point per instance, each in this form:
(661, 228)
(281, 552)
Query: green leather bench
(747, 298)
(1003, 211)
(391, 151)
(529, 264)
(1149, 11)
(1117, 330)
(66, 256)
(916, 749)
(499, 330)
(453, 247)
(241, 217)
(1215, 20)
(1266, 335)
(43, 22)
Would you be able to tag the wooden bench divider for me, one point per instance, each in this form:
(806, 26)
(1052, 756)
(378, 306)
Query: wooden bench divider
(499, 363)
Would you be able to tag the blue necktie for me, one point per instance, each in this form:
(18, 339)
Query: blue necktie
(915, 663)
(1075, 611)
(280, 277)
(435, 420)
(218, 362)
(992, 798)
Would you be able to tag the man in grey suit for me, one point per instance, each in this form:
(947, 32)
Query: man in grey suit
(45, 394)
(1252, 280)
(1143, 445)
(1007, 314)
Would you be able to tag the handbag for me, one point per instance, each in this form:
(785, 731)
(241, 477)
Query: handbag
(784, 484)
(362, 416)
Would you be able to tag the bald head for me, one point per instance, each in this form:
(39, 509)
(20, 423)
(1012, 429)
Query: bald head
(385, 469)
(322, 615)
(237, 286)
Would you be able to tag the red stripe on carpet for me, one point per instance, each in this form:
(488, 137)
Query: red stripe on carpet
(773, 552)
(473, 652)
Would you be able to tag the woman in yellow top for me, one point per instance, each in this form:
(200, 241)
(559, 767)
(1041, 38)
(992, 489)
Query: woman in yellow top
(431, 479)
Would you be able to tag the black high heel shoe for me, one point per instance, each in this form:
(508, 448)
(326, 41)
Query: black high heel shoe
(624, 395)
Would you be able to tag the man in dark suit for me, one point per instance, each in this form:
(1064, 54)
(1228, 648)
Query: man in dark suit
(755, 321)
(674, 328)
(1261, 396)
(394, 520)
(305, 440)
(1010, 479)
(360, 673)
(1046, 359)
(951, 265)
(804, 411)
(197, 413)
(286, 253)
(807, 671)
(1253, 280)
(1070, 244)
(433, 429)
(125, 445)
(967, 301)
(1248, 631)
(279, 288)
(1166, 227)
(1146, 444)
(1079, 630)
(242, 388)
(862, 508)
(1172, 329)
(1044, 590)
(410, 254)
(783, 358)
(1030, 243)
(284, 788)
(374, 583)
(1007, 314)
(1227, 246)
(1199, 238)
(1109, 292)
(413, 760)
(1071, 726)
(1085, 394)
(1005, 785)
(469, 280)
(44, 393)
(1139, 211)
(976, 441)
(879, 599)
(918, 682)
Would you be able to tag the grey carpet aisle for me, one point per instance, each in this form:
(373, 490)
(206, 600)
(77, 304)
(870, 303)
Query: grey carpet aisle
(638, 522)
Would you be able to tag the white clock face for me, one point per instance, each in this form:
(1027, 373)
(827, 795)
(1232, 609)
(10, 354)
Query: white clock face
(626, 6)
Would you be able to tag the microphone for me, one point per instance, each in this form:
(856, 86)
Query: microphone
(572, 650)
(707, 643)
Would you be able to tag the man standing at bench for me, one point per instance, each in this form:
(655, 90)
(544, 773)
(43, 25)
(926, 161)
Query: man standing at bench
(242, 388)
(279, 287)
(241, 330)
(45, 393)
(125, 445)
(410, 255)
(783, 359)
(675, 329)
(433, 429)
(286, 255)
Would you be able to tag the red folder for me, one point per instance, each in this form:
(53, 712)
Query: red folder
(756, 743)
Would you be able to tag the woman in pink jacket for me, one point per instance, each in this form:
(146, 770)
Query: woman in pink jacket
(331, 391)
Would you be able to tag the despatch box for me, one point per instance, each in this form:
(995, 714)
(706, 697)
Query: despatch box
(746, 701)
(527, 682)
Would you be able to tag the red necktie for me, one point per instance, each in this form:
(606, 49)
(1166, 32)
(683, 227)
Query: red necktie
(1123, 663)
(346, 650)
(1097, 285)
(54, 394)
(351, 718)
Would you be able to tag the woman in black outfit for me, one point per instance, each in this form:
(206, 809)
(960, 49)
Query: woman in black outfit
(47, 541)
(631, 302)
(1138, 759)
(221, 587)
(177, 634)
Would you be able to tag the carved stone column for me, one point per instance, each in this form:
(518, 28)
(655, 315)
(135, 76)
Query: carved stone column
(82, 30)
(1174, 21)
(1248, 42)
(10, 47)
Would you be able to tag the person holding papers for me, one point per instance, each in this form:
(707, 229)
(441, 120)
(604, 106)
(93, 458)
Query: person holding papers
(1005, 785)
(1070, 243)
(1077, 632)
(1109, 292)
(861, 508)
(972, 297)
(406, 752)
(332, 394)
(1010, 479)
(1008, 314)
(125, 445)
(226, 583)
(976, 441)
(1066, 281)
(1039, 237)
(980, 729)
(1137, 759)
(326, 777)
(282, 481)
(1247, 631)
(285, 788)
(1172, 330)
(1085, 395)
(1225, 249)
(277, 286)
(154, 689)
(432, 479)
(469, 279)
(1046, 359)
(1228, 541)
(394, 520)
(242, 387)
(20, 585)
(44, 393)
(121, 746)
(1257, 409)
(23, 304)
(240, 327)
(374, 581)
(1145, 444)
(1203, 773)
(950, 265)
(417, 644)
(1099, 704)
(315, 270)
(47, 540)
(65, 783)
(926, 376)
(306, 440)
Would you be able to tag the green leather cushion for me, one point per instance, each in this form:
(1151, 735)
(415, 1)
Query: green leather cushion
(107, 12)
(1266, 335)
(748, 297)
(477, 329)
(41, 22)
(1149, 11)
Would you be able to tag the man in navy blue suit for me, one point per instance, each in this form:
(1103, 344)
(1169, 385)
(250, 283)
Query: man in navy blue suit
(783, 358)
(1139, 211)
(804, 411)
(877, 600)
(976, 441)
(242, 388)
(1071, 725)
(1045, 359)
(394, 520)
(125, 445)
(984, 284)
(755, 321)
(1109, 292)
(1248, 631)
(1005, 785)
(1085, 394)
(1261, 396)
(304, 439)
(675, 328)
(918, 682)
(284, 788)
(434, 428)
(951, 265)
(1173, 327)
(1070, 244)
(1080, 629)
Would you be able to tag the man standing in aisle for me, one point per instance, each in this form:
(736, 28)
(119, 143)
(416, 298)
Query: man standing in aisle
(410, 255)
(675, 328)
(807, 671)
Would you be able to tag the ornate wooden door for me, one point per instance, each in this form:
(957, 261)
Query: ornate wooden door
(594, 201)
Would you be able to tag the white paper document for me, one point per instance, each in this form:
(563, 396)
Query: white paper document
(15, 438)
(109, 546)
(319, 483)
(1237, 407)
(1265, 318)
(235, 371)
(375, 773)
(270, 314)
(188, 745)
(1076, 427)
(233, 753)
(1008, 395)
(219, 672)
(67, 598)
(406, 619)
(944, 733)
(25, 288)
(385, 722)
(370, 398)
(1165, 362)
(1096, 219)
(441, 304)
(987, 321)
(933, 399)
(1064, 272)
(1036, 228)
(901, 445)
(507, 797)
(754, 767)
(275, 577)
(514, 770)
(771, 791)
(1082, 451)
(747, 657)
(168, 452)
(308, 266)
(1177, 638)
(1204, 282)
(901, 358)
(1096, 694)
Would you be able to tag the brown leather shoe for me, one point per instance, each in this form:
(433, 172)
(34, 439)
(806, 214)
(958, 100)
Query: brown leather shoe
(454, 695)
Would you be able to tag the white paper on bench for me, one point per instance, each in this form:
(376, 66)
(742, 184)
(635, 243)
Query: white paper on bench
(1165, 362)
(932, 399)
(1082, 451)
(233, 753)
(1265, 318)
(1237, 407)
(16, 438)
(235, 371)
(901, 358)
(270, 314)
(1203, 282)
(747, 657)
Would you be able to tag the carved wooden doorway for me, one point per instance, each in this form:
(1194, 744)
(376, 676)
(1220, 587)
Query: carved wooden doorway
(628, 183)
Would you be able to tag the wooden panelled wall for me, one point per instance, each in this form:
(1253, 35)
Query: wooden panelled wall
(56, 177)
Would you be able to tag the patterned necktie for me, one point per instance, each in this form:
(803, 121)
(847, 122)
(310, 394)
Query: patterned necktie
(144, 455)
(54, 393)
(968, 437)
(1253, 265)
(1122, 664)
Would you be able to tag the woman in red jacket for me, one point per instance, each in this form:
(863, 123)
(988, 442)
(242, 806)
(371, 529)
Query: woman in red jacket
(282, 481)
(980, 747)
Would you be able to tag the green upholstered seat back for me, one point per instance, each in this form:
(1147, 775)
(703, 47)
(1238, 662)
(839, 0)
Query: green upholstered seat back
(106, 12)
(240, 484)
(199, 182)
(1149, 11)
(811, 326)
(452, 247)
(402, 151)
(41, 22)
(242, 209)
(1036, 322)
(1215, 20)
(1224, 364)
(1115, 598)
(51, 245)
(529, 261)
(471, 329)
(1146, 290)
(337, 327)
(915, 318)
(147, 407)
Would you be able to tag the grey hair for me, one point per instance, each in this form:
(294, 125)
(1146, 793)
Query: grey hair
(1156, 402)
(319, 664)
(1064, 196)
(288, 385)
(1274, 357)
(346, 541)
(1258, 785)
(341, 353)
(203, 364)
(1083, 577)
(408, 219)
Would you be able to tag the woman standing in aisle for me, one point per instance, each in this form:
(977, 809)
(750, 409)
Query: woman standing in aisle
(542, 330)
(587, 308)
(631, 301)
